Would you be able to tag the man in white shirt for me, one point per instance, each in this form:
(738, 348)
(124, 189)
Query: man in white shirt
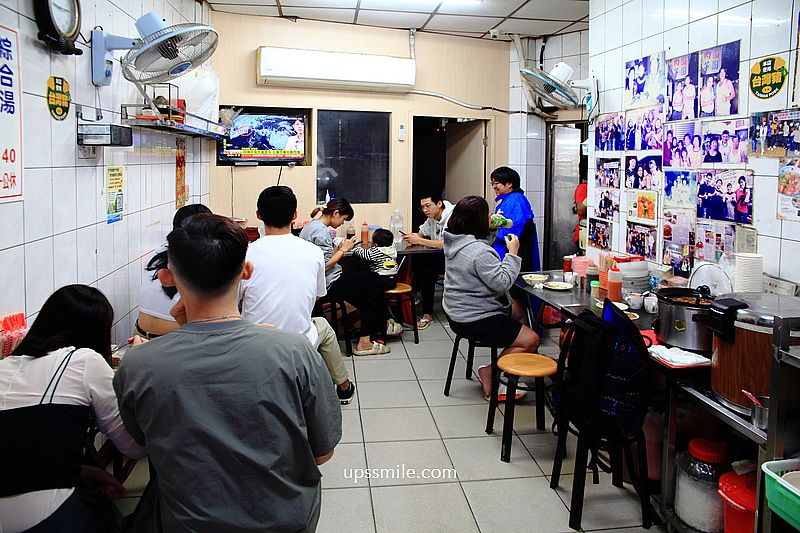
(428, 267)
(725, 147)
(288, 278)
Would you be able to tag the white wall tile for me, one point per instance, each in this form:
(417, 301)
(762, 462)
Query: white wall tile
(63, 146)
(584, 42)
(553, 48)
(770, 248)
(65, 200)
(703, 33)
(652, 17)
(11, 216)
(35, 137)
(536, 127)
(86, 241)
(676, 42)
(727, 4)
(517, 126)
(597, 37)
(790, 251)
(611, 4)
(790, 230)
(65, 259)
(632, 20)
(676, 13)
(516, 151)
(596, 8)
(771, 27)
(35, 58)
(39, 274)
(734, 25)
(613, 69)
(652, 45)
(38, 204)
(613, 24)
(535, 152)
(105, 249)
(631, 51)
(765, 217)
(699, 9)
(571, 44)
(12, 280)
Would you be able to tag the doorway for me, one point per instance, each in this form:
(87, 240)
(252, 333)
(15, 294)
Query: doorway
(449, 155)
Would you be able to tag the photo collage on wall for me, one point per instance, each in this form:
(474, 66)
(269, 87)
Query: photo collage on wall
(673, 163)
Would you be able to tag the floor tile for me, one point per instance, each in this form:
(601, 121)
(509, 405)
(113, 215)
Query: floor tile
(542, 447)
(433, 348)
(434, 332)
(427, 458)
(439, 507)
(398, 352)
(436, 368)
(378, 394)
(462, 392)
(525, 417)
(384, 370)
(338, 472)
(346, 510)
(351, 427)
(504, 505)
(138, 478)
(604, 505)
(478, 459)
(464, 420)
(407, 423)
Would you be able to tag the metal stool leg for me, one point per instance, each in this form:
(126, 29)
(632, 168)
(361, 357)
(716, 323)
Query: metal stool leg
(539, 382)
(494, 400)
(579, 483)
(561, 451)
(452, 367)
(414, 317)
(508, 423)
(470, 358)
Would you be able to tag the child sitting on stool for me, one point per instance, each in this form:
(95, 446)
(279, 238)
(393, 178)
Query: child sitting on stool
(381, 257)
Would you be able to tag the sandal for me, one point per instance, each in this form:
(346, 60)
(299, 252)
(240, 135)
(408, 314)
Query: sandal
(423, 323)
(485, 377)
(377, 349)
(393, 328)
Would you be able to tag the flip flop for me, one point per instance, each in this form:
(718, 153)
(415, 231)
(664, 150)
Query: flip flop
(377, 349)
(485, 377)
(393, 328)
(423, 323)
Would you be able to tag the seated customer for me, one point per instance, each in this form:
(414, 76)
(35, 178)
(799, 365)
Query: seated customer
(155, 300)
(49, 387)
(381, 257)
(477, 282)
(427, 267)
(288, 277)
(236, 416)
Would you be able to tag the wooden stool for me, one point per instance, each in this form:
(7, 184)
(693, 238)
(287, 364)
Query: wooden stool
(398, 296)
(326, 304)
(515, 366)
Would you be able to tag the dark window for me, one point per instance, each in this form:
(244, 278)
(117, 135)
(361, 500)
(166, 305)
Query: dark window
(353, 156)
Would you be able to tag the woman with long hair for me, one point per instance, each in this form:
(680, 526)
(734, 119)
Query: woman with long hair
(477, 284)
(362, 289)
(50, 386)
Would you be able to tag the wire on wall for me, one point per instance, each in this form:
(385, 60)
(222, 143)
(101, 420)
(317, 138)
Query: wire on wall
(279, 175)
(231, 192)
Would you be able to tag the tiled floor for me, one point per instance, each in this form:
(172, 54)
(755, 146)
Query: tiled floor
(401, 420)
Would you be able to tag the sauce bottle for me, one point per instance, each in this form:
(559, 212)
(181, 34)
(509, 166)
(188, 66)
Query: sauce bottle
(615, 284)
(364, 235)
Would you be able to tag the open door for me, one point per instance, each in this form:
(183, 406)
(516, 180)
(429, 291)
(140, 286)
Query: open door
(465, 159)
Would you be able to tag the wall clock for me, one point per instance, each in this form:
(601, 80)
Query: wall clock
(59, 24)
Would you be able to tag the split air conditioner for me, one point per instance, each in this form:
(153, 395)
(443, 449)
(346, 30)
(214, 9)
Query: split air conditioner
(315, 69)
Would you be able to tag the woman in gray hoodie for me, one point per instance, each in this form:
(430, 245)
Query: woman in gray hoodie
(477, 282)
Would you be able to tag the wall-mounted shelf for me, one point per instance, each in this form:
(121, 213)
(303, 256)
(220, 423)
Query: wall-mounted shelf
(209, 129)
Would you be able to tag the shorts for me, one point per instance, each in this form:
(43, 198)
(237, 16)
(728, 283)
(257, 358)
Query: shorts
(495, 330)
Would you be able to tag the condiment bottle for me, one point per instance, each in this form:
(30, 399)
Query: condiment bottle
(364, 235)
(595, 290)
(567, 263)
(592, 274)
(615, 284)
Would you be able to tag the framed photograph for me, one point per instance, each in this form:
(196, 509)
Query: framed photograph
(644, 172)
(599, 235)
(641, 240)
(719, 80)
(713, 240)
(680, 144)
(725, 195)
(775, 133)
(682, 89)
(644, 129)
(645, 81)
(609, 133)
(606, 172)
(789, 190)
(606, 204)
(680, 189)
(642, 206)
(726, 141)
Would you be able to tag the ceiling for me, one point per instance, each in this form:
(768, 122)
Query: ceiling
(467, 18)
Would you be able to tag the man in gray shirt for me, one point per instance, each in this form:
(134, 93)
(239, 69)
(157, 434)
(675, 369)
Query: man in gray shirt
(235, 417)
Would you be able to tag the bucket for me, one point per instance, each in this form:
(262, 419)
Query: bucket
(738, 493)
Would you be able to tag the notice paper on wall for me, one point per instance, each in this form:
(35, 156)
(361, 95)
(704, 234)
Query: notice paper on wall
(114, 202)
(10, 116)
(181, 191)
(789, 190)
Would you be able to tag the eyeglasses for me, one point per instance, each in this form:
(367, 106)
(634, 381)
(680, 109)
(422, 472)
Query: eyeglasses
(427, 207)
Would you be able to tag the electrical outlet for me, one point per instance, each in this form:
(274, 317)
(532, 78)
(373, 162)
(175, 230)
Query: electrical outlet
(87, 152)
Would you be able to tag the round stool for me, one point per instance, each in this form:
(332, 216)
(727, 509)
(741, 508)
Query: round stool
(404, 292)
(516, 366)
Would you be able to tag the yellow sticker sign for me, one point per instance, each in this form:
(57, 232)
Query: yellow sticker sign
(58, 97)
(767, 77)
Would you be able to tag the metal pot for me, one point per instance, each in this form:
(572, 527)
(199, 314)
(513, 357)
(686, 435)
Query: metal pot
(677, 323)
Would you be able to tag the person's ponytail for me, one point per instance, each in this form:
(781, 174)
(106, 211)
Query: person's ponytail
(315, 211)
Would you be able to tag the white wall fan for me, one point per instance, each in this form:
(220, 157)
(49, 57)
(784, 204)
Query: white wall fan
(160, 54)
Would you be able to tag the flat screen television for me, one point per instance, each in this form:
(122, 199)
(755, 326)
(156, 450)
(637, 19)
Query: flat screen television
(265, 136)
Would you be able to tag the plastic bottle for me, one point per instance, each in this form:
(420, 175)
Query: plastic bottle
(653, 429)
(615, 284)
(327, 196)
(364, 235)
(396, 226)
(594, 287)
(499, 221)
(350, 232)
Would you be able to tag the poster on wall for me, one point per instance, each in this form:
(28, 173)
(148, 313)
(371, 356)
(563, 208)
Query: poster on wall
(645, 81)
(726, 141)
(679, 228)
(641, 240)
(181, 190)
(609, 133)
(680, 189)
(606, 172)
(10, 116)
(713, 240)
(114, 202)
(789, 190)
(719, 80)
(767, 77)
(775, 133)
(644, 172)
(58, 97)
(725, 195)
(680, 142)
(644, 129)
(682, 74)
(606, 204)
(599, 234)
(642, 206)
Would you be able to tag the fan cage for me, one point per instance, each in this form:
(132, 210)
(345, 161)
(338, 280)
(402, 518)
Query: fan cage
(549, 89)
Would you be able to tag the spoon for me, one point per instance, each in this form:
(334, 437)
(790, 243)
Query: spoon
(752, 398)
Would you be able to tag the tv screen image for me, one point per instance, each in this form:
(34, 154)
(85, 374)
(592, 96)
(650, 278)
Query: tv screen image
(265, 138)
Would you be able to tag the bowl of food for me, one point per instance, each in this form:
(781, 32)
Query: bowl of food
(535, 279)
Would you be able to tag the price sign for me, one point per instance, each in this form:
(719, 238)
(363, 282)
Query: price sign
(10, 116)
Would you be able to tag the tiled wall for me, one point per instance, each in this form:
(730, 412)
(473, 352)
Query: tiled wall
(527, 140)
(57, 234)
(621, 31)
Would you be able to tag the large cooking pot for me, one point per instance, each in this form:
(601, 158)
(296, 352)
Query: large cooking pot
(677, 324)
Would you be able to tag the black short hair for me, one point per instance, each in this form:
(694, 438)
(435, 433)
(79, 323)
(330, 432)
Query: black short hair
(188, 211)
(435, 196)
(277, 206)
(74, 315)
(207, 253)
(470, 217)
(383, 237)
(506, 175)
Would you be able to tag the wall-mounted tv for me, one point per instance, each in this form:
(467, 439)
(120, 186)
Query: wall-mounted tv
(266, 136)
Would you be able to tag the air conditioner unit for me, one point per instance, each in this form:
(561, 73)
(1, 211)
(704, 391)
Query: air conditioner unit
(291, 67)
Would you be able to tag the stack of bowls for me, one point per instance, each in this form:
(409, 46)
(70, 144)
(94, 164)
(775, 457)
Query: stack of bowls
(749, 273)
(635, 276)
